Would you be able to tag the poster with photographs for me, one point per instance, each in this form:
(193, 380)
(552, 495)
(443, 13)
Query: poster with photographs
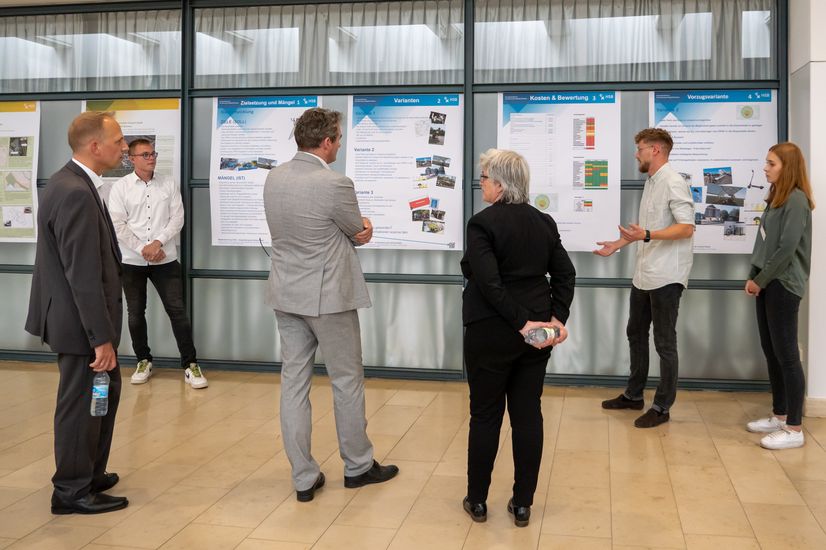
(720, 142)
(404, 154)
(250, 136)
(19, 144)
(156, 120)
(571, 141)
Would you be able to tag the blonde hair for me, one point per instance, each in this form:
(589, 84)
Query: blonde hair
(511, 170)
(793, 175)
(87, 126)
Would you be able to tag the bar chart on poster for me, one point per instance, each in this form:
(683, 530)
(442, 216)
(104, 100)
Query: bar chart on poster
(571, 142)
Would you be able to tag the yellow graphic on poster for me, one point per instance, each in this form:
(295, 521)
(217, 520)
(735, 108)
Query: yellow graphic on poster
(19, 144)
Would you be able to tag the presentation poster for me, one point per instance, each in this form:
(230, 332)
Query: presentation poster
(19, 143)
(251, 136)
(157, 120)
(404, 154)
(571, 141)
(720, 142)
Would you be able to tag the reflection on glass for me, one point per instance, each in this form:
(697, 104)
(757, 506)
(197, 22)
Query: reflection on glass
(91, 51)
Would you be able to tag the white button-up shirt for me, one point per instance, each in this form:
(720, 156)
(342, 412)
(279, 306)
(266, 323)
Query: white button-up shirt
(666, 200)
(96, 179)
(143, 212)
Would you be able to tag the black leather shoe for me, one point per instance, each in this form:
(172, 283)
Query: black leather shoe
(478, 511)
(307, 496)
(105, 483)
(651, 418)
(92, 503)
(622, 402)
(376, 474)
(521, 514)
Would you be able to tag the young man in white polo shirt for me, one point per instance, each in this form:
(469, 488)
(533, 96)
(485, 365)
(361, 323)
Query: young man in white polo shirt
(665, 245)
(148, 214)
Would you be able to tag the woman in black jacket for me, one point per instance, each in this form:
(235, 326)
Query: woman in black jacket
(511, 247)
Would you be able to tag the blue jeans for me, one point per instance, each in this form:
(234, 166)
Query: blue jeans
(658, 306)
(777, 323)
(166, 279)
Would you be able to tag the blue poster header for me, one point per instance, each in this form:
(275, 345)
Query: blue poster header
(427, 100)
(550, 98)
(268, 102)
(714, 96)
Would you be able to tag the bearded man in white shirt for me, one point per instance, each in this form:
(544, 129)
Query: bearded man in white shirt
(148, 214)
(664, 238)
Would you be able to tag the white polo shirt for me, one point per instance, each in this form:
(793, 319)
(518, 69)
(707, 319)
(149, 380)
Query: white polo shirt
(666, 200)
(146, 211)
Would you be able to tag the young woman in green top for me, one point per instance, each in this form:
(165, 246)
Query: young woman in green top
(779, 271)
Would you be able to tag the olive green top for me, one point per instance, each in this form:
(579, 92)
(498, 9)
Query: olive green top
(783, 248)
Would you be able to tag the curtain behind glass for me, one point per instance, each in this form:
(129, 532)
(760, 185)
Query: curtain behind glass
(91, 52)
(622, 41)
(383, 43)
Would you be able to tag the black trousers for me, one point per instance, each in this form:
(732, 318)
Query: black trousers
(777, 310)
(167, 281)
(81, 441)
(503, 370)
(660, 307)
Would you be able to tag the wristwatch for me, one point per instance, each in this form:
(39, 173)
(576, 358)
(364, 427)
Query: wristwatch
(647, 238)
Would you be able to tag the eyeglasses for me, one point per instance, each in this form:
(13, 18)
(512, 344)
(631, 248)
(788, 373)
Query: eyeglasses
(639, 149)
(483, 177)
(147, 155)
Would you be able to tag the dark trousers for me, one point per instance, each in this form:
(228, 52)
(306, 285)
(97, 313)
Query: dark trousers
(503, 369)
(658, 306)
(167, 281)
(81, 441)
(777, 323)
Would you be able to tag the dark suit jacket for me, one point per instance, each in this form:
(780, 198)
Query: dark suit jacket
(75, 302)
(510, 248)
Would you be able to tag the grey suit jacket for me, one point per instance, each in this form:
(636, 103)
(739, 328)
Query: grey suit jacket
(313, 214)
(75, 302)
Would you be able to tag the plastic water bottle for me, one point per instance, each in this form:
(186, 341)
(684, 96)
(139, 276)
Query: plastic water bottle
(540, 335)
(100, 394)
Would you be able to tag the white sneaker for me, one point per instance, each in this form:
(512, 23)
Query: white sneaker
(766, 425)
(783, 439)
(194, 376)
(143, 372)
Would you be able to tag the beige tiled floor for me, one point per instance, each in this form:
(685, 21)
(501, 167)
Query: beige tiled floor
(206, 470)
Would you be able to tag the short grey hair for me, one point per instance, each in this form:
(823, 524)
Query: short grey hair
(511, 170)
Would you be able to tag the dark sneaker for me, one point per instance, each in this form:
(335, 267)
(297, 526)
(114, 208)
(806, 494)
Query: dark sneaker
(376, 474)
(651, 418)
(622, 402)
(521, 514)
(478, 511)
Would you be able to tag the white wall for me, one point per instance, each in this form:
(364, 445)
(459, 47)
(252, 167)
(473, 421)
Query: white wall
(807, 116)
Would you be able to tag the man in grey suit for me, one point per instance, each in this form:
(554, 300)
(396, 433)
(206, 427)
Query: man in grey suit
(75, 307)
(315, 287)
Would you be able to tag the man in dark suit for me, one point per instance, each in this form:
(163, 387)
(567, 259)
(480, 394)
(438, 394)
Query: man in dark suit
(76, 308)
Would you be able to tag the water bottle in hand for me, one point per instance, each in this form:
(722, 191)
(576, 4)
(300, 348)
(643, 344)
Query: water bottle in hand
(100, 394)
(540, 335)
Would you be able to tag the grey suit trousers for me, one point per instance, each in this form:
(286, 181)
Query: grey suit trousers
(339, 337)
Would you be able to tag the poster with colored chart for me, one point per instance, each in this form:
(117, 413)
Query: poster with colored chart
(404, 154)
(720, 142)
(571, 142)
(156, 120)
(19, 144)
(250, 136)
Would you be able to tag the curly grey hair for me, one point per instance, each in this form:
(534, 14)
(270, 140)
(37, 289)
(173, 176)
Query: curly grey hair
(510, 169)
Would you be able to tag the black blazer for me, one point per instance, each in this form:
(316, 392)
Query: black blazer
(510, 248)
(75, 302)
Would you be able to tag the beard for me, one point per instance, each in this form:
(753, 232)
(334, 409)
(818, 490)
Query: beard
(643, 166)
